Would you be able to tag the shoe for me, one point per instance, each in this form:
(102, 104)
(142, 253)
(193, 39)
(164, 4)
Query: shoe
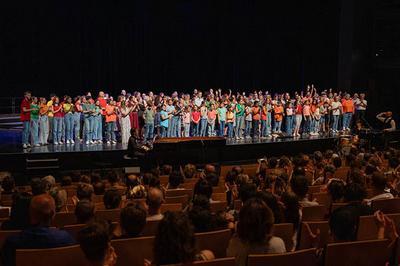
(24, 146)
(72, 141)
(87, 142)
(100, 142)
(61, 143)
(114, 142)
(68, 142)
(37, 145)
(29, 145)
(91, 142)
(55, 143)
(108, 142)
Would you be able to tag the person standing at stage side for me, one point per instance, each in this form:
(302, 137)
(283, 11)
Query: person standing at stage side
(264, 115)
(76, 122)
(26, 119)
(148, 117)
(97, 123)
(211, 118)
(68, 119)
(87, 110)
(317, 120)
(103, 104)
(51, 117)
(186, 117)
(256, 113)
(278, 117)
(43, 122)
(221, 114)
(57, 111)
(230, 117)
(306, 117)
(111, 119)
(289, 118)
(269, 116)
(35, 121)
(125, 122)
(361, 108)
(348, 110)
(176, 120)
(239, 119)
(248, 120)
(203, 119)
(299, 117)
(336, 108)
(164, 121)
(170, 110)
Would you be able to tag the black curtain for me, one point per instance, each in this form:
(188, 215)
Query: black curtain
(75, 46)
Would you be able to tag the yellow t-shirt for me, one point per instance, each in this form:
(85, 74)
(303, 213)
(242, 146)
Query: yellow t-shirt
(50, 104)
(67, 108)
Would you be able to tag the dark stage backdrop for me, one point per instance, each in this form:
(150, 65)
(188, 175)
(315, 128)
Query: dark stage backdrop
(73, 46)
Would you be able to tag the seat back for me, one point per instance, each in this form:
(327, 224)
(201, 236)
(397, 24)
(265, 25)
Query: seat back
(322, 198)
(286, 232)
(108, 215)
(314, 189)
(305, 240)
(63, 256)
(367, 228)
(179, 192)
(150, 229)
(133, 251)
(63, 218)
(218, 206)
(387, 205)
(366, 253)
(342, 173)
(314, 213)
(218, 196)
(73, 229)
(172, 207)
(6, 233)
(178, 199)
(4, 212)
(216, 241)
(335, 206)
(217, 262)
(164, 179)
(306, 257)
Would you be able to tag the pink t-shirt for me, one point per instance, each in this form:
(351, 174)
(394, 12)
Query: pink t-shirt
(186, 118)
(306, 110)
(212, 114)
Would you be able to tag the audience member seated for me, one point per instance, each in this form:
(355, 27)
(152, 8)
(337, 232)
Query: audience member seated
(189, 171)
(272, 203)
(213, 179)
(135, 190)
(60, 195)
(247, 191)
(203, 187)
(175, 242)
(112, 199)
(66, 181)
(253, 233)
(84, 211)
(336, 190)
(155, 199)
(202, 219)
(354, 195)
(379, 189)
(132, 221)
(19, 212)
(114, 180)
(95, 243)
(37, 186)
(83, 191)
(299, 185)
(174, 180)
(209, 169)
(99, 188)
(39, 235)
(343, 225)
(8, 185)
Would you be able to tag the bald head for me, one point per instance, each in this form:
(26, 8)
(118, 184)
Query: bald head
(42, 210)
(155, 199)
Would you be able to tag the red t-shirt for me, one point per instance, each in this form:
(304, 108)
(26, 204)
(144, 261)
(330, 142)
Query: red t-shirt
(25, 116)
(60, 113)
(103, 105)
(196, 117)
(299, 110)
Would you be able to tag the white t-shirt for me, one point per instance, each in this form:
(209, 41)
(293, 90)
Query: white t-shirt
(334, 106)
(358, 106)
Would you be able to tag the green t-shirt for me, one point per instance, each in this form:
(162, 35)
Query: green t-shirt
(34, 112)
(148, 116)
(221, 113)
(240, 110)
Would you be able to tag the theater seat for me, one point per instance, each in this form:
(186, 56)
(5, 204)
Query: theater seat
(387, 205)
(179, 192)
(286, 232)
(305, 240)
(133, 251)
(365, 253)
(64, 256)
(217, 262)
(63, 218)
(314, 213)
(177, 199)
(216, 241)
(172, 207)
(150, 229)
(218, 206)
(108, 215)
(6, 233)
(306, 257)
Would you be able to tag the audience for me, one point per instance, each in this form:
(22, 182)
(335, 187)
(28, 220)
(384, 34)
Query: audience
(155, 199)
(8, 185)
(84, 211)
(299, 185)
(133, 220)
(112, 199)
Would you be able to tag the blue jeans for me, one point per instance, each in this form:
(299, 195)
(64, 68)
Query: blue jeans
(26, 132)
(211, 128)
(277, 126)
(35, 131)
(312, 125)
(170, 127)
(269, 126)
(317, 125)
(76, 125)
(230, 129)
(347, 120)
(186, 128)
(43, 129)
(148, 131)
(110, 134)
(247, 128)
(195, 129)
(221, 128)
(203, 127)
(97, 127)
(263, 128)
(256, 132)
(163, 131)
(239, 125)
(335, 122)
(289, 124)
(176, 122)
(89, 126)
(69, 121)
(57, 128)
(307, 124)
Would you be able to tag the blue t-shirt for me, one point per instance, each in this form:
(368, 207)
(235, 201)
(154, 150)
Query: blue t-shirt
(163, 123)
(221, 113)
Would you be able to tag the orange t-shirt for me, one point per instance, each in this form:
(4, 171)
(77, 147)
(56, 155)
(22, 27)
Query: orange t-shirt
(43, 109)
(256, 113)
(348, 106)
(278, 110)
(111, 116)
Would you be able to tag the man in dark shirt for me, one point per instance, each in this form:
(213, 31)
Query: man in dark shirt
(39, 234)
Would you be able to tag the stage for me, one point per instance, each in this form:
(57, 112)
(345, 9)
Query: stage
(49, 158)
